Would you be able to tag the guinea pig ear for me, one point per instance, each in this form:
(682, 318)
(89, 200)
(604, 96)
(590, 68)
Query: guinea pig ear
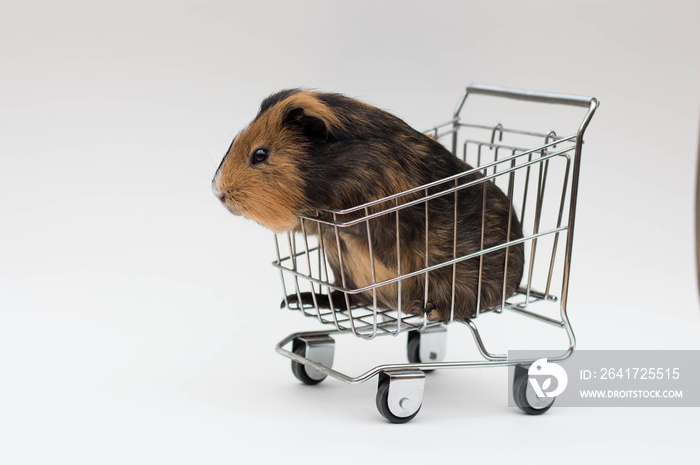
(312, 126)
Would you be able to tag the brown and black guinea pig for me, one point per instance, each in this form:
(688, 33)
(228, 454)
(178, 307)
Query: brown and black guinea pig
(309, 152)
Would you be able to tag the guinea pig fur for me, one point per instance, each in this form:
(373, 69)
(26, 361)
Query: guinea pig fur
(308, 152)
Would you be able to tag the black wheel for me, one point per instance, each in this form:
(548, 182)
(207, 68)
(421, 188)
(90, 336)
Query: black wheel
(413, 348)
(299, 369)
(383, 402)
(525, 397)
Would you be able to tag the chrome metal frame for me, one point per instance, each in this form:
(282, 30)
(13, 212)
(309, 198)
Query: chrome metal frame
(524, 169)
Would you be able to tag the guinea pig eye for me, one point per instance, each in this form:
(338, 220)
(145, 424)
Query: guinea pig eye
(259, 156)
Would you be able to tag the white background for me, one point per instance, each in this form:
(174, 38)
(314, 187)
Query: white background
(138, 318)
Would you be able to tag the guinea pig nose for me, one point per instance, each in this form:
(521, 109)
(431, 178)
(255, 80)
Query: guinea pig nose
(217, 192)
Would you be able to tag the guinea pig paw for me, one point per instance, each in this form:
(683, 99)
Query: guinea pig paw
(309, 300)
(292, 301)
(416, 308)
(432, 314)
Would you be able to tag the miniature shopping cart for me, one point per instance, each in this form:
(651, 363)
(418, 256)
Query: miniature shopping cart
(538, 171)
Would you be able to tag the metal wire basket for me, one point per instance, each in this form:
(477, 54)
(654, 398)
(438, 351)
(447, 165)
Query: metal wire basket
(539, 173)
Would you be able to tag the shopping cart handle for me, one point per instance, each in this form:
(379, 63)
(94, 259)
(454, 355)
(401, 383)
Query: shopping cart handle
(531, 96)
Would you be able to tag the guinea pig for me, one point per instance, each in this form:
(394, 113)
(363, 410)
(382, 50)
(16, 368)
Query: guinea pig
(308, 153)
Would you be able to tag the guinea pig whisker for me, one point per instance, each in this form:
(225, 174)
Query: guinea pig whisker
(207, 152)
(255, 195)
(249, 203)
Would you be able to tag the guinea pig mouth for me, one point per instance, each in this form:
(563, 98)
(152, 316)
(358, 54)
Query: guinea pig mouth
(231, 206)
(232, 209)
(227, 202)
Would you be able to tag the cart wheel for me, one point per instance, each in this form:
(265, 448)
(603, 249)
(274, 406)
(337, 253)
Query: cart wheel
(525, 397)
(399, 406)
(413, 347)
(299, 369)
(317, 349)
(428, 344)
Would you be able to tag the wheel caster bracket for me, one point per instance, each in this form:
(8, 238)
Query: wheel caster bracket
(524, 395)
(433, 344)
(320, 349)
(400, 395)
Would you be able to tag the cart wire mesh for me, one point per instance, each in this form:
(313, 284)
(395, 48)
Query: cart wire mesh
(536, 170)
